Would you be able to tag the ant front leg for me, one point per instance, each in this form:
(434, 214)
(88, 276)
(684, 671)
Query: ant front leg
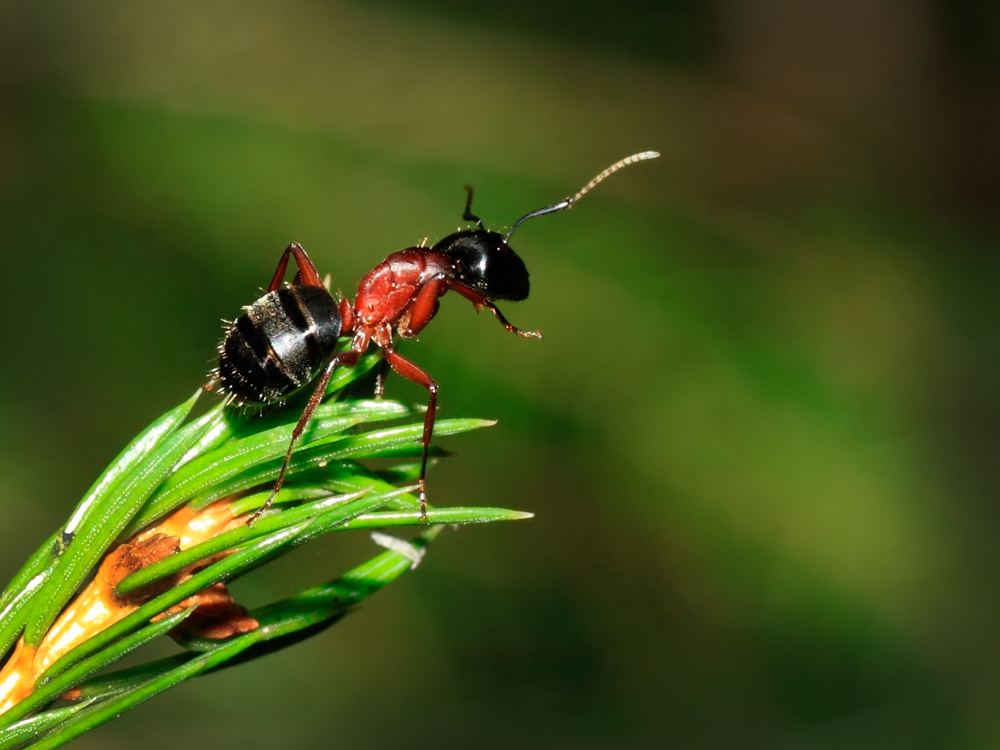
(410, 371)
(480, 302)
(307, 273)
(506, 324)
(423, 308)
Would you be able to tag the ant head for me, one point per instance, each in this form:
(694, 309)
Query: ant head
(485, 262)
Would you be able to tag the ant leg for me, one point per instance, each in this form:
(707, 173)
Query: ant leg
(307, 274)
(380, 380)
(348, 359)
(504, 322)
(346, 316)
(410, 371)
(480, 302)
(314, 400)
(423, 308)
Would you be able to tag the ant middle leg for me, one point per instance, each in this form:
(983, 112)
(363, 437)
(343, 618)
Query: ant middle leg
(412, 372)
(383, 368)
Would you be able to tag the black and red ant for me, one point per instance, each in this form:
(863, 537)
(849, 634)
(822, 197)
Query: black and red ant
(287, 338)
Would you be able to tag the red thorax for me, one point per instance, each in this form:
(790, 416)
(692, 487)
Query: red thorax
(400, 294)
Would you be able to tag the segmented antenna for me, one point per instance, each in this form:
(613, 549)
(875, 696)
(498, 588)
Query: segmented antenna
(568, 202)
(468, 215)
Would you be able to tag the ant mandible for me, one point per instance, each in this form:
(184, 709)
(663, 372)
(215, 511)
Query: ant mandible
(287, 338)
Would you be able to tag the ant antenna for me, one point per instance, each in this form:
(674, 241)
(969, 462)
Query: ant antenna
(568, 202)
(468, 215)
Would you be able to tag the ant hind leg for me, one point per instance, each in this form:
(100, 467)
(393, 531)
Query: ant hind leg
(307, 273)
(348, 359)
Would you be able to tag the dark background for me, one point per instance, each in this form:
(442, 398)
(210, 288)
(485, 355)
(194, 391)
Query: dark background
(760, 434)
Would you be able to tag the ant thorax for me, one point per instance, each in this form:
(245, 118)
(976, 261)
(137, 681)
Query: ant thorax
(391, 289)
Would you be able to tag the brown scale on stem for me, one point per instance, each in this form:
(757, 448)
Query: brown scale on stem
(97, 607)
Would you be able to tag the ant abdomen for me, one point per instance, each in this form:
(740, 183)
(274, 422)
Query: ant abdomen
(279, 344)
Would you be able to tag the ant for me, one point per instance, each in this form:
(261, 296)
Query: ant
(287, 338)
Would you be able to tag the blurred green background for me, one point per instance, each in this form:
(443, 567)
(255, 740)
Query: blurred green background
(760, 435)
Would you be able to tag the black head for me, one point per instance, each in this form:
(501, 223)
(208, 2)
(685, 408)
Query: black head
(485, 262)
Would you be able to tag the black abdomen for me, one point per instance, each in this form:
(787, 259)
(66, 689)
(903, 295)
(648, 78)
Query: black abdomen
(279, 344)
